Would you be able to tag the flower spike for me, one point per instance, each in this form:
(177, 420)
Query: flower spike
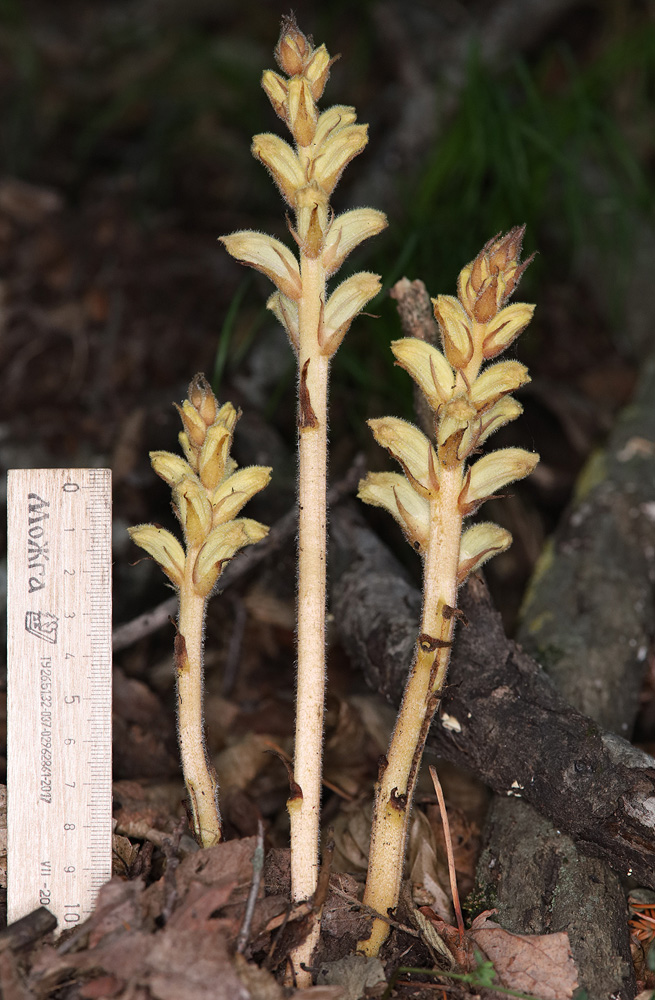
(307, 171)
(207, 495)
(430, 503)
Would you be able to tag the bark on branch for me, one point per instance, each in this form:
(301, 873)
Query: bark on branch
(504, 719)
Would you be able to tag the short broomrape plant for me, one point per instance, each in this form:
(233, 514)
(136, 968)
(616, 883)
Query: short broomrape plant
(306, 175)
(208, 493)
(439, 488)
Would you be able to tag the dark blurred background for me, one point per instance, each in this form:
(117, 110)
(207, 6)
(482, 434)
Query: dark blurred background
(125, 133)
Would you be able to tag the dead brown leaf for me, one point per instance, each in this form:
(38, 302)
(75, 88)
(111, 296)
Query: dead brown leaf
(240, 763)
(428, 872)
(353, 974)
(147, 812)
(541, 964)
(352, 833)
(124, 855)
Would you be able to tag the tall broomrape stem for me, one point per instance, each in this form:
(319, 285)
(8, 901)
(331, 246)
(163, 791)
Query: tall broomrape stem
(324, 144)
(430, 501)
(208, 493)
(305, 801)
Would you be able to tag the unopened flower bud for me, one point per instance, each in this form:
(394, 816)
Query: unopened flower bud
(487, 282)
(228, 416)
(317, 71)
(201, 396)
(487, 303)
(504, 253)
(455, 330)
(457, 430)
(213, 455)
(293, 48)
(302, 111)
(194, 425)
(311, 219)
(193, 510)
(275, 87)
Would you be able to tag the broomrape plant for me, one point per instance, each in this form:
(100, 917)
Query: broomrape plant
(438, 490)
(208, 493)
(439, 487)
(306, 175)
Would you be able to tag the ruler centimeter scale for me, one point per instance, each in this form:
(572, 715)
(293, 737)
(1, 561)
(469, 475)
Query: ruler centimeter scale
(59, 818)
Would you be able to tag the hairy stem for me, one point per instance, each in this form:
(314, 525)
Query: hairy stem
(199, 775)
(398, 775)
(305, 801)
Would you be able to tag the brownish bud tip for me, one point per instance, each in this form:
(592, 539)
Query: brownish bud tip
(477, 273)
(487, 282)
(202, 398)
(486, 305)
(293, 48)
(506, 252)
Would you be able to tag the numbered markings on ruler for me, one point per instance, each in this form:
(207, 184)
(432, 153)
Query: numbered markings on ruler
(58, 690)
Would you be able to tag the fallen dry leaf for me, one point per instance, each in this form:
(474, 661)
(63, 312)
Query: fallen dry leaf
(352, 833)
(541, 964)
(124, 855)
(240, 763)
(353, 974)
(428, 873)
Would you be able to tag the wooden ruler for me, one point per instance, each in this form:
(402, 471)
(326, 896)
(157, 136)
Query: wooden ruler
(58, 691)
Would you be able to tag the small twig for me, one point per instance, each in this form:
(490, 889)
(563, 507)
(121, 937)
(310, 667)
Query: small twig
(257, 869)
(478, 978)
(449, 852)
(127, 634)
(151, 621)
(415, 310)
(417, 320)
(28, 929)
(370, 912)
